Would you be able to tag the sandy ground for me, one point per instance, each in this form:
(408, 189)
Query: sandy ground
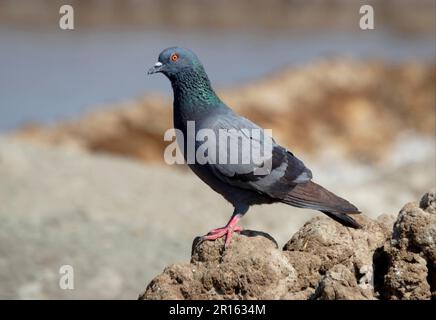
(120, 222)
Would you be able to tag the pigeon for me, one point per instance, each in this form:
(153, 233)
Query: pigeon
(287, 181)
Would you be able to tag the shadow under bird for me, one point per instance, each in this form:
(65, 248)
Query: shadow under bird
(288, 181)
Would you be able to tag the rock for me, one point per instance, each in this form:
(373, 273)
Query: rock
(335, 244)
(387, 259)
(428, 202)
(253, 269)
(411, 253)
(340, 283)
(321, 255)
(335, 247)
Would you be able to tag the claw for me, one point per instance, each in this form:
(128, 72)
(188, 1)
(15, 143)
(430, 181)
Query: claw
(218, 230)
(226, 231)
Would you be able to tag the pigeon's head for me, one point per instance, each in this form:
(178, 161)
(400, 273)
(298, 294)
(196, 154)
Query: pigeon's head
(175, 60)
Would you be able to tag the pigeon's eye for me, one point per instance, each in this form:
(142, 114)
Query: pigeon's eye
(174, 57)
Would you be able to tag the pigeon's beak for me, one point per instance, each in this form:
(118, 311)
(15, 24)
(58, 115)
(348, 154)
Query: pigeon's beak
(156, 68)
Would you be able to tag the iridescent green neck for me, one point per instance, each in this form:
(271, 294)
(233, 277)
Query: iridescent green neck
(192, 89)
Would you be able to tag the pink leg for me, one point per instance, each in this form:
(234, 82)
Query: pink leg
(225, 231)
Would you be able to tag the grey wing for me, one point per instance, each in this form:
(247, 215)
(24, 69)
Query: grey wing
(273, 174)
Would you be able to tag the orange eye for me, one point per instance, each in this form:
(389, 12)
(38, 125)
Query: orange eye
(174, 57)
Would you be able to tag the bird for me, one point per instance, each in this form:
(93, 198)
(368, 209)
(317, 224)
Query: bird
(288, 181)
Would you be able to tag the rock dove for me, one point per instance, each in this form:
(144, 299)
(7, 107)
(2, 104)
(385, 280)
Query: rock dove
(288, 181)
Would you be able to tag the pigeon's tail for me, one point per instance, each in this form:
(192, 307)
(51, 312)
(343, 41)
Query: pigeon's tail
(312, 196)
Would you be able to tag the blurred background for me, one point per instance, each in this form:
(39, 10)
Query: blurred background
(82, 176)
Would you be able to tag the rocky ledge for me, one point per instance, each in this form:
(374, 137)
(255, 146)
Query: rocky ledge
(389, 258)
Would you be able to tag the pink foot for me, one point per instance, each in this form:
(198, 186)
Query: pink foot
(226, 231)
(219, 230)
